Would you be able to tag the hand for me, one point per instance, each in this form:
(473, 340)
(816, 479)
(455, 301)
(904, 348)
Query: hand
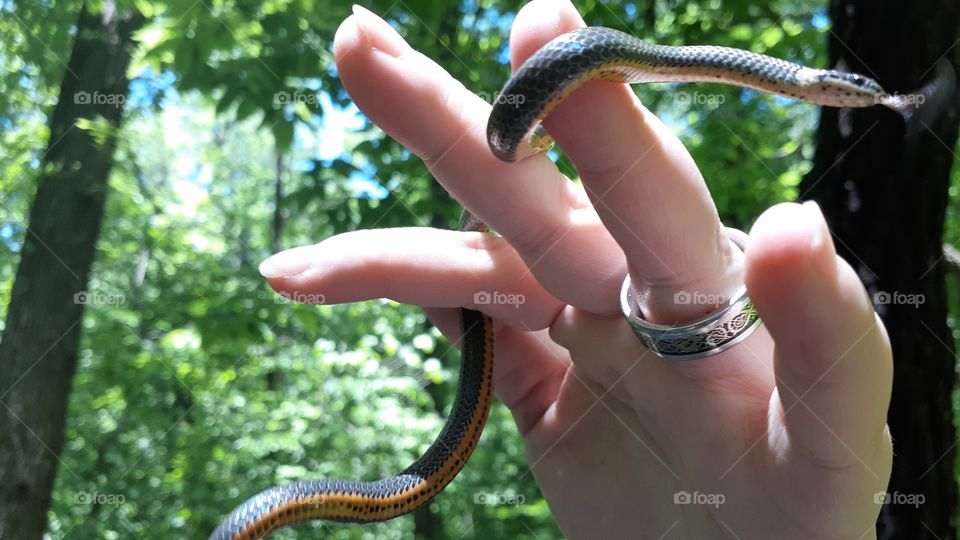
(781, 436)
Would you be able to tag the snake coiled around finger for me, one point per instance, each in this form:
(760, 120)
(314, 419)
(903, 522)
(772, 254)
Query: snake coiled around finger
(539, 85)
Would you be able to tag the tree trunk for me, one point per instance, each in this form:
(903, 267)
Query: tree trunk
(38, 353)
(885, 197)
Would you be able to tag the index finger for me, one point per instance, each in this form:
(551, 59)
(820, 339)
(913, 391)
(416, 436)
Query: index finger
(538, 210)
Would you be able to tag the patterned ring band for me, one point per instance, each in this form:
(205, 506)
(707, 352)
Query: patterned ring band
(701, 338)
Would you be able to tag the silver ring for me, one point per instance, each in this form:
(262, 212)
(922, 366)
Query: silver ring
(717, 332)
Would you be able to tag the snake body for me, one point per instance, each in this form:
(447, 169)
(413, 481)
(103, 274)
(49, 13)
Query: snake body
(535, 89)
(573, 59)
(351, 501)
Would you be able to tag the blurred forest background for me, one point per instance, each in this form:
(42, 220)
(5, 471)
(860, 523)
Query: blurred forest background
(195, 384)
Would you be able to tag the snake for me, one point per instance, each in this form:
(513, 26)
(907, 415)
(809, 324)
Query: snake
(513, 133)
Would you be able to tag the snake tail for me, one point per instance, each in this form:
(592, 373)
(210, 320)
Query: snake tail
(362, 502)
(572, 59)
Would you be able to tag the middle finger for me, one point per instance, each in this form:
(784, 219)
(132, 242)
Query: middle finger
(643, 183)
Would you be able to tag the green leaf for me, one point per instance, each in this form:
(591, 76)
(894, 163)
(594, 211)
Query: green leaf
(283, 134)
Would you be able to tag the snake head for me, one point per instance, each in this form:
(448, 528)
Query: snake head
(851, 81)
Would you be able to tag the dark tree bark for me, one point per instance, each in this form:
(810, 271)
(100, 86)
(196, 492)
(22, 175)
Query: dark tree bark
(279, 193)
(885, 196)
(38, 353)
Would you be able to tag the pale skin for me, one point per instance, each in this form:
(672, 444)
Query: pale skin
(782, 436)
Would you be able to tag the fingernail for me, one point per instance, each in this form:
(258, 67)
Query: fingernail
(288, 263)
(379, 33)
(567, 5)
(822, 253)
(551, 11)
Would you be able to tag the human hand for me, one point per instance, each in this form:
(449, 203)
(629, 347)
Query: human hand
(780, 436)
